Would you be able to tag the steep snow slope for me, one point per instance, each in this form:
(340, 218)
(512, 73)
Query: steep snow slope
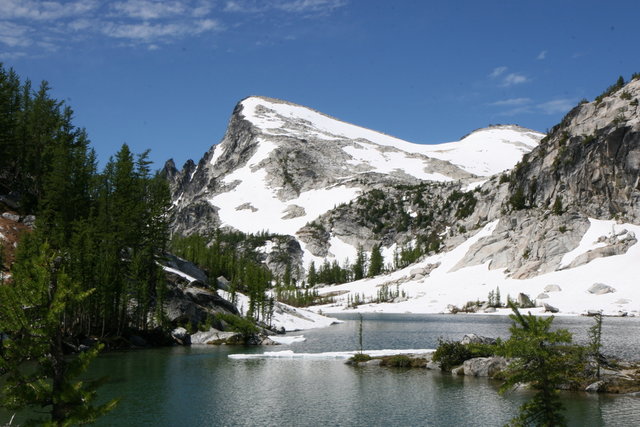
(282, 165)
(434, 292)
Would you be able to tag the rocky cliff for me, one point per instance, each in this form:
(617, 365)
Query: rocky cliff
(281, 167)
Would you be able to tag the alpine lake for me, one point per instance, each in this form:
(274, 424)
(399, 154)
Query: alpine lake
(202, 386)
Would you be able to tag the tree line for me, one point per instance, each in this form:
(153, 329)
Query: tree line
(91, 265)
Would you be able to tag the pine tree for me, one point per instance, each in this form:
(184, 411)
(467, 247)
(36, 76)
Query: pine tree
(33, 316)
(541, 358)
(312, 275)
(376, 261)
(359, 267)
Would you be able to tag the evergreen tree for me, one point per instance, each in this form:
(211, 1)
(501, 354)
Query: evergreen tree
(376, 262)
(312, 275)
(541, 358)
(359, 267)
(33, 317)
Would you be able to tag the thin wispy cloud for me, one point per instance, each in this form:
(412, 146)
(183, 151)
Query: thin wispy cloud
(514, 79)
(542, 55)
(511, 102)
(26, 25)
(497, 72)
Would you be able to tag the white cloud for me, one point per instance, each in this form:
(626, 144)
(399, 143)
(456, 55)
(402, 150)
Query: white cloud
(511, 102)
(14, 35)
(514, 79)
(146, 9)
(542, 55)
(50, 24)
(497, 72)
(44, 10)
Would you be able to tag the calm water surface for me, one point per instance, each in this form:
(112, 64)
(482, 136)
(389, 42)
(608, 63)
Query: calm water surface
(201, 386)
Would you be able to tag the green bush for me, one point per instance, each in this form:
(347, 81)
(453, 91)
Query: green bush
(397, 361)
(359, 357)
(244, 326)
(453, 353)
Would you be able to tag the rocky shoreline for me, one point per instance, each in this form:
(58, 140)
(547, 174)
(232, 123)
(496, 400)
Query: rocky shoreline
(620, 377)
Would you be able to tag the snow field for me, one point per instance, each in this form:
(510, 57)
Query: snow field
(434, 293)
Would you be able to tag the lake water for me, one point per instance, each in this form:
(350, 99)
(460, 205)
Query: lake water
(201, 386)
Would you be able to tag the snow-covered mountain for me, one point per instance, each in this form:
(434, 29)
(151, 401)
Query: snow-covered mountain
(281, 166)
(553, 218)
(560, 228)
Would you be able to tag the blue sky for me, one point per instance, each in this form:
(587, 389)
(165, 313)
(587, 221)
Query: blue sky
(166, 75)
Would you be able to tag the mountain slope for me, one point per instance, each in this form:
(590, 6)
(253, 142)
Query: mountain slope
(560, 227)
(281, 166)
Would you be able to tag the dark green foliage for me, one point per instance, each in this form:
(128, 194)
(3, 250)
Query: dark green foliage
(376, 262)
(542, 358)
(246, 327)
(557, 206)
(625, 95)
(300, 297)
(466, 203)
(312, 275)
(595, 343)
(360, 357)
(518, 200)
(611, 89)
(453, 353)
(397, 361)
(106, 232)
(33, 316)
(234, 256)
(359, 267)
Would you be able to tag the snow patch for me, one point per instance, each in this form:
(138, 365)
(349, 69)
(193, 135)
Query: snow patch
(290, 354)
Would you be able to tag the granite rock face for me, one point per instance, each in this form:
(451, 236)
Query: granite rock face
(588, 166)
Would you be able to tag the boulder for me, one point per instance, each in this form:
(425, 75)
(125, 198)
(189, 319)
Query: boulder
(458, 370)
(550, 309)
(214, 337)
(542, 295)
(223, 283)
(29, 220)
(484, 366)
(418, 271)
(523, 300)
(181, 336)
(476, 339)
(600, 289)
(489, 310)
(11, 216)
(552, 288)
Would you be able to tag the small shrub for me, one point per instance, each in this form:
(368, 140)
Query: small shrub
(625, 95)
(450, 354)
(359, 357)
(453, 353)
(562, 229)
(557, 206)
(397, 361)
